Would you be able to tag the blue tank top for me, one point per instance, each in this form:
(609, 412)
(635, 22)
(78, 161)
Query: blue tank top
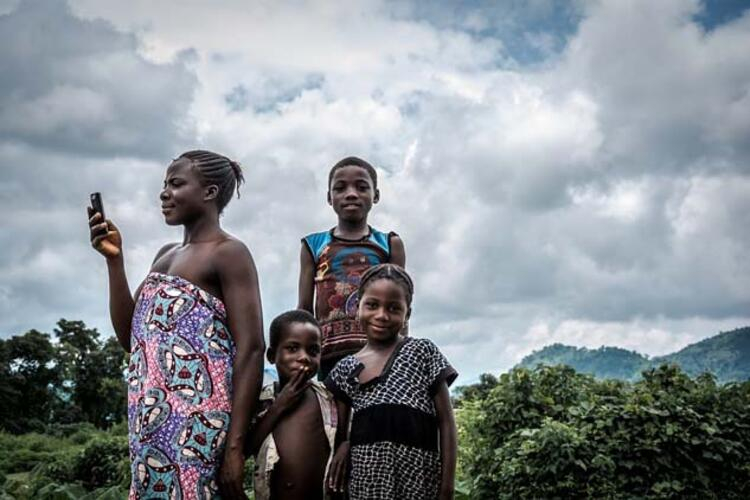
(339, 266)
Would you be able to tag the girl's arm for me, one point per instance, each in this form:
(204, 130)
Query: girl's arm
(398, 252)
(336, 480)
(447, 426)
(240, 290)
(306, 280)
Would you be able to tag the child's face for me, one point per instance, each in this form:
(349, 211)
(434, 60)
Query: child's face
(182, 197)
(383, 310)
(298, 348)
(351, 193)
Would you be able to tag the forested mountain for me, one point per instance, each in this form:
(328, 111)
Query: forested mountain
(726, 355)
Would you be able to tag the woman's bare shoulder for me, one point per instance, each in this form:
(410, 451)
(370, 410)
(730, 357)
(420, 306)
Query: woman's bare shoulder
(163, 252)
(231, 255)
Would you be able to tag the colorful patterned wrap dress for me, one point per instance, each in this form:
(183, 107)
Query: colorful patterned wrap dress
(179, 390)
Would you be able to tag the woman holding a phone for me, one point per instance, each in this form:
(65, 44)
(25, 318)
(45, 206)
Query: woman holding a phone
(195, 336)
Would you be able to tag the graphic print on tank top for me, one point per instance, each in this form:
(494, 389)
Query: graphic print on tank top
(339, 266)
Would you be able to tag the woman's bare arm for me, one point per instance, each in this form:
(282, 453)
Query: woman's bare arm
(107, 240)
(121, 303)
(240, 289)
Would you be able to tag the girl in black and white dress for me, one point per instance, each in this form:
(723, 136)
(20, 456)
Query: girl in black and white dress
(402, 443)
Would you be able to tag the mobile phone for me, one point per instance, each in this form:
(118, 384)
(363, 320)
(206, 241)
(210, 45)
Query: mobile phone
(96, 204)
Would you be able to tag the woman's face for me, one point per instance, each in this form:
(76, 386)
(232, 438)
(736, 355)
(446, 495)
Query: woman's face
(183, 195)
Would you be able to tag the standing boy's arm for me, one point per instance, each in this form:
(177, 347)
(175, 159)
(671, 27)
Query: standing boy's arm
(287, 399)
(306, 280)
(398, 252)
(398, 257)
(447, 426)
(239, 286)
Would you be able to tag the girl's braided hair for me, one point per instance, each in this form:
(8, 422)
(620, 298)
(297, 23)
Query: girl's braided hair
(219, 170)
(388, 271)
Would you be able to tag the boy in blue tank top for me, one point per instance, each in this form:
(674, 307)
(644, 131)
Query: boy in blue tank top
(332, 262)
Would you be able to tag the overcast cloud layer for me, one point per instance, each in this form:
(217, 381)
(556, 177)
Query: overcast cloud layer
(576, 173)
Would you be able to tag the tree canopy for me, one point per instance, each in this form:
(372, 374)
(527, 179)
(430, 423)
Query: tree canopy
(75, 378)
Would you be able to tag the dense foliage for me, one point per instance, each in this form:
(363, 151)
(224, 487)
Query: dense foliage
(726, 356)
(68, 461)
(555, 433)
(78, 378)
(548, 432)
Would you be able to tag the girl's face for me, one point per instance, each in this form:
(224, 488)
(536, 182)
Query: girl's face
(183, 195)
(383, 310)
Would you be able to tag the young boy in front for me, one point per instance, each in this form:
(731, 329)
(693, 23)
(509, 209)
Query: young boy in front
(332, 262)
(292, 437)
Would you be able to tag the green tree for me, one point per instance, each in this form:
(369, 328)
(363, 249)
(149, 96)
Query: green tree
(554, 433)
(29, 377)
(93, 373)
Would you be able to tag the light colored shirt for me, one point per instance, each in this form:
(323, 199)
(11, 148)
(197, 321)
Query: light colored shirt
(268, 454)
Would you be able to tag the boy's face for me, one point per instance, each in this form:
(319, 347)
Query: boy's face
(351, 193)
(299, 347)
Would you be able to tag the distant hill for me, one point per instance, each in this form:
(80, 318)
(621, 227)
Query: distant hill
(726, 355)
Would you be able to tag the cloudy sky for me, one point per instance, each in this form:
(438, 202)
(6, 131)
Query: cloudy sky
(573, 172)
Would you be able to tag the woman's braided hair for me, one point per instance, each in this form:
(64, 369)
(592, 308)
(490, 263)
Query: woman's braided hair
(388, 271)
(219, 170)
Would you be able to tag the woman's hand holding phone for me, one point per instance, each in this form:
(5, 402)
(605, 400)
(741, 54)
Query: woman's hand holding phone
(104, 235)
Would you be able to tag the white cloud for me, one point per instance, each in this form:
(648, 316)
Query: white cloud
(597, 198)
(81, 86)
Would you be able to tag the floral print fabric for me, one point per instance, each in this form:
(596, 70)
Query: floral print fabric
(179, 390)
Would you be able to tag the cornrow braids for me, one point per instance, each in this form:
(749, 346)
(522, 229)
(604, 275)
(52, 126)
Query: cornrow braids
(219, 170)
(388, 271)
(356, 162)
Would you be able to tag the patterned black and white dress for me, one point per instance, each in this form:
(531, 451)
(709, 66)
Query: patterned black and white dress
(394, 435)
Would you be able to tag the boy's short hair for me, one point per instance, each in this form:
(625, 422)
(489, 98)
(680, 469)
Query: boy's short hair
(357, 162)
(287, 318)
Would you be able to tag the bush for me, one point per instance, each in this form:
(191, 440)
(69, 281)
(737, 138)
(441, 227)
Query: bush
(62, 468)
(104, 462)
(70, 457)
(23, 453)
(69, 430)
(554, 433)
(54, 491)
